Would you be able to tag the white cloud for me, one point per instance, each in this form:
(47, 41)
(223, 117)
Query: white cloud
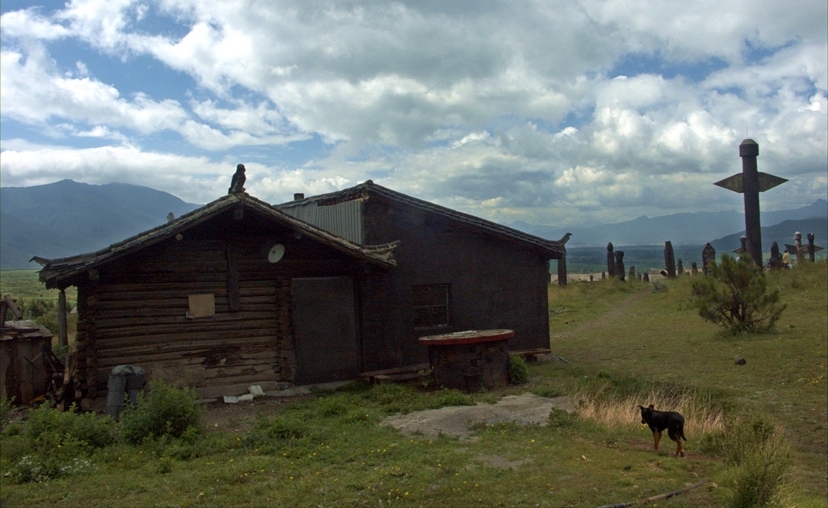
(508, 111)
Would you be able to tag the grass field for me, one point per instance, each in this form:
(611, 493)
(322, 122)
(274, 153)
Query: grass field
(24, 284)
(625, 344)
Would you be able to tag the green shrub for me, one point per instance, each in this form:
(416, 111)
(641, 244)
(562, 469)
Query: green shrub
(447, 397)
(289, 431)
(560, 419)
(734, 295)
(396, 398)
(164, 411)
(48, 427)
(53, 443)
(761, 459)
(518, 371)
(6, 407)
(335, 405)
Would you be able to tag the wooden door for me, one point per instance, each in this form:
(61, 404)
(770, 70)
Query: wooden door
(324, 326)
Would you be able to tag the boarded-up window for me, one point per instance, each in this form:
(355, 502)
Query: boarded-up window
(431, 305)
(202, 306)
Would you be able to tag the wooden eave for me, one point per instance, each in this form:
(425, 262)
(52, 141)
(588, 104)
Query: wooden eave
(58, 272)
(550, 248)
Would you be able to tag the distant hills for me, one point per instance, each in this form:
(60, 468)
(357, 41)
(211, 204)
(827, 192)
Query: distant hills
(689, 228)
(68, 218)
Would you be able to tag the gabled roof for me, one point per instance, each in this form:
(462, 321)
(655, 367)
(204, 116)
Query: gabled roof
(59, 269)
(348, 220)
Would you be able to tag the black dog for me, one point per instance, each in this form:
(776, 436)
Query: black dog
(660, 420)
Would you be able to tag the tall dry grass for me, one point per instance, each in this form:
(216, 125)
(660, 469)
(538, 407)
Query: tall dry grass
(611, 404)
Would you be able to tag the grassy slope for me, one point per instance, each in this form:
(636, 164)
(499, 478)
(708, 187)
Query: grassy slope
(346, 458)
(658, 336)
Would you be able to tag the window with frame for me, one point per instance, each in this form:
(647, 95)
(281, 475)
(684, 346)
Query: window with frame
(431, 305)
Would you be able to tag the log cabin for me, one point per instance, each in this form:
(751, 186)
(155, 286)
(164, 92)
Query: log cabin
(454, 272)
(241, 292)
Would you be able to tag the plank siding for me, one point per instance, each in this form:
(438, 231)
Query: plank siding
(137, 311)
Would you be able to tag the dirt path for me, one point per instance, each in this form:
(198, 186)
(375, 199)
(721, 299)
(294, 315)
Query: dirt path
(615, 313)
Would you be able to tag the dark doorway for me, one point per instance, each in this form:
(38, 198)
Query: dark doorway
(324, 323)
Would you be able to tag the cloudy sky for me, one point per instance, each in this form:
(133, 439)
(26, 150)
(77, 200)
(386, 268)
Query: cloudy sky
(565, 112)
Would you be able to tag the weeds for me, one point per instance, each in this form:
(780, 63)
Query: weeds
(6, 409)
(53, 443)
(761, 459)
(164, 411)
(518, 371)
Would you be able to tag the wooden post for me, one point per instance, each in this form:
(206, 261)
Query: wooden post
(751, 182)
(63, 334)
(562, 271)
(811, 249)
(619, 264)
(800, 253)
(748, 151)
(708, 258)
(610, 261)
(775, 259)
(669, 260)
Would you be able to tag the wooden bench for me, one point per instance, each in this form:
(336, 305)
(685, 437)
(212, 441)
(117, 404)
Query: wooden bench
(531, 355)
(396, 374)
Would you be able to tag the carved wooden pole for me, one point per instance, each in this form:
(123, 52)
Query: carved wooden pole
(63, 335)
(562, 271)
(610, 260)
(775, 259)
(748, 151)
(811, 249)
(708, 258)
(800, 254)
(743, 245)
(669, 260)
(619, 264)
(800, 250)
(750, 183)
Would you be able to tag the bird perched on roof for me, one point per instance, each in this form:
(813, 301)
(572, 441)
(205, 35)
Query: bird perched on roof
(564, 238)
(237, 183)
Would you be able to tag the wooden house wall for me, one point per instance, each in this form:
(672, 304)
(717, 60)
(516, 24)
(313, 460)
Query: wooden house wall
(136, 311)
(495, 283)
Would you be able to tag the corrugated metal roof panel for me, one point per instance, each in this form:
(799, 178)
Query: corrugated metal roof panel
(343, 219)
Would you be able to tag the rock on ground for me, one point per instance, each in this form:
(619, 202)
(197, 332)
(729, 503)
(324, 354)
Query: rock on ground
(459, 421)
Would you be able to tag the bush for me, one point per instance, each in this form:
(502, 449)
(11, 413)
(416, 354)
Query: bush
(734, 295)
(48, 428)
(164, 411)
(518, 371)
(54, 443)
(394, 398)
(762, 460)
(6, 408)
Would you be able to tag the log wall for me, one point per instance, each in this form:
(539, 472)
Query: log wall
(136, 311)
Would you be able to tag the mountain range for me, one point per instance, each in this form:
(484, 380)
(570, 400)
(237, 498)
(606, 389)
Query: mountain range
(696, 228)
(67, 218)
